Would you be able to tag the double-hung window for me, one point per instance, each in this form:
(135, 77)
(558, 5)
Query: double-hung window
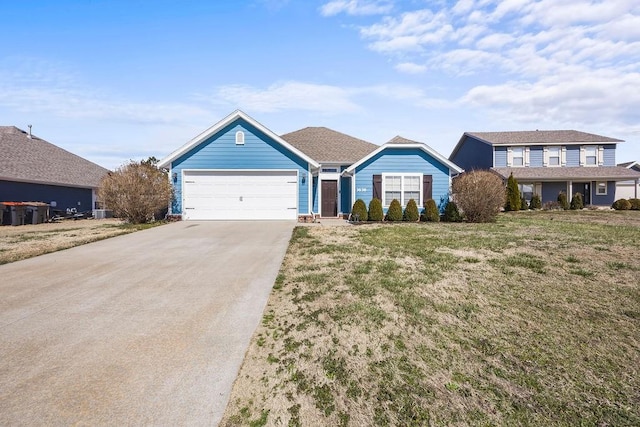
(403, 188)
(601, 188)
(517, 156)
(554, 156)
(591, 155)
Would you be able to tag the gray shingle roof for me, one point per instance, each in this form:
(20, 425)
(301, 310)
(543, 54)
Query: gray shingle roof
(328, 146)
(401, 140)
(36, 160)
(611, 173)
(540, 137)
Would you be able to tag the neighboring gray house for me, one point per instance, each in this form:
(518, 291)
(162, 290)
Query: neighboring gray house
(628, 189)
(34, 170)
(548, 162)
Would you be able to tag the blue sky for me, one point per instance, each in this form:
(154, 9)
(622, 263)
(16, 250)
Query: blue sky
(115, 80)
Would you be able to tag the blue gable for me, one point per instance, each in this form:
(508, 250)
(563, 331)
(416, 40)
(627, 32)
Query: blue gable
(259, 152)
(401, 161)
(473, 154)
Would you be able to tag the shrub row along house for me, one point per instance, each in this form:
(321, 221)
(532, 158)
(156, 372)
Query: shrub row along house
(239, 169)
(34, 170)
(549, 162)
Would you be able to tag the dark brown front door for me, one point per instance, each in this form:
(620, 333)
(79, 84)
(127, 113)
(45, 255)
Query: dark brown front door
(329, 198)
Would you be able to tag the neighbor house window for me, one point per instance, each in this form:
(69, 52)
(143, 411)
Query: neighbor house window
(554, 156)
(526, 191)
(601, 188)
(239, 138)
(517, 154)
(402, 187)
(591, 155)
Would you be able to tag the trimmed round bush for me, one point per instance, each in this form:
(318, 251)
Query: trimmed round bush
(536, 202)
(375, 210)
(479, 194)
(451, 212)
(394, 213)
(635, 204)
(513, 195)
(576, 202)
(621, 205)
(411, 213)
(360, 209)
(562, 200)
(431, 212)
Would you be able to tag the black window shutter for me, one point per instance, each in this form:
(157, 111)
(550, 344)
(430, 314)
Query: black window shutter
(427, 187)
(377, 186)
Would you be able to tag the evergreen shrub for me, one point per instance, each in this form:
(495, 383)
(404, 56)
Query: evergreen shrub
(431, 212)
(621, 205)
(394, 213)
(536, 202)
(375, 210)
(513, 195)
(411, 212)
(359, 210)
(451, 212)
(562, 200)
(576, 202)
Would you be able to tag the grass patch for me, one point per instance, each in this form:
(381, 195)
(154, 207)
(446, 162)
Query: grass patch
(531, 320)
(18, 243)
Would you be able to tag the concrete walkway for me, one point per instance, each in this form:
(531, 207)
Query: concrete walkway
(144, 329)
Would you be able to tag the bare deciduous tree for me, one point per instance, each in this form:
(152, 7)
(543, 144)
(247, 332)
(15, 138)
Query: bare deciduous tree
(479, 194)
(136, 191)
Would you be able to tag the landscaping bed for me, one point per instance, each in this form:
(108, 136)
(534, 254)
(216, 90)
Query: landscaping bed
(532, 320)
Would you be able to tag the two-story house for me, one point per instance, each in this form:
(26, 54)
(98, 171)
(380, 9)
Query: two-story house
(548, 162)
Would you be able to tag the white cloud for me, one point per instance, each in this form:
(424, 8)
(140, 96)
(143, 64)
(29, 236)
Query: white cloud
(411, 68)
(356, 7)
(33, 86)
(287, 96)
(574, 59)
(586, 98)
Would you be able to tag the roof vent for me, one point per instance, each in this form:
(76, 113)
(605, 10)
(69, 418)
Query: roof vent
(29, 136)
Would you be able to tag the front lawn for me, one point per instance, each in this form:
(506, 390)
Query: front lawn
(533, 320)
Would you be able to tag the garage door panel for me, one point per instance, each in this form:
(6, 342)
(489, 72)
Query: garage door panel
(240, 195)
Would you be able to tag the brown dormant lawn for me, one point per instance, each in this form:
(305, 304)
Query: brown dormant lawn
(27, 241)
(533, 320)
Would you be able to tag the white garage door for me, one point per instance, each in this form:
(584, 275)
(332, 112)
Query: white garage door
(232, 195)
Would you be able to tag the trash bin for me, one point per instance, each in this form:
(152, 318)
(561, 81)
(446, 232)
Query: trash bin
(36, 212)
(18, 212)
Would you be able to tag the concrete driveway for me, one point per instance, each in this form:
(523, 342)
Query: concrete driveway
(148, 328)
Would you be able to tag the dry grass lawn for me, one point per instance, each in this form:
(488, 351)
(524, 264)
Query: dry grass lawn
(27, 241)
(533, 320)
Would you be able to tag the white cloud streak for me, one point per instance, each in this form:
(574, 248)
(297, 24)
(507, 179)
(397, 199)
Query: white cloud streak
(578, 60)
(356, 7)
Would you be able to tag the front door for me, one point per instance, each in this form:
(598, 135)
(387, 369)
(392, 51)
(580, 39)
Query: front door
(329, 199)
(585, 189)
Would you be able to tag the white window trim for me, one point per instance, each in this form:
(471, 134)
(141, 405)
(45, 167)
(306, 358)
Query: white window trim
(605, 188)
(511, 156)
(583, 162)
(239, 138)
(547, 156)
(403, 202)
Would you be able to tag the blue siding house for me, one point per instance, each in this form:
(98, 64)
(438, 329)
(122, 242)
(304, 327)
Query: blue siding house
(239, 169)
(402, 169)
(548, 162)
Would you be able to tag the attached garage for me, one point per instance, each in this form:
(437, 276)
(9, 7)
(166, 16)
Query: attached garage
(240, 170)
(238, 195)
